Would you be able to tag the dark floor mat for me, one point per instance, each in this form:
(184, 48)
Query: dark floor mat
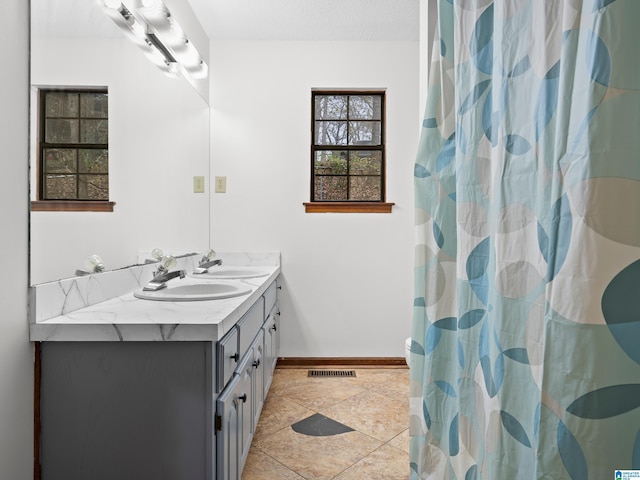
(320, 426)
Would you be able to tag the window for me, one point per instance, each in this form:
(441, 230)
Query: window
(347, 151)
(73, 150)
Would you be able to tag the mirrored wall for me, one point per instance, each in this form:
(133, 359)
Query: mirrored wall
(158, 144)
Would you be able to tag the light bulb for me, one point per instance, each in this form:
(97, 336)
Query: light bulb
(157, 253)
(139, 30)
(94, 264)
(115, 4)
(168, 262)
(187, 54)
(201, 71)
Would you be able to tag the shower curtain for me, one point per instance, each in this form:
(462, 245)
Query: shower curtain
(525, 356)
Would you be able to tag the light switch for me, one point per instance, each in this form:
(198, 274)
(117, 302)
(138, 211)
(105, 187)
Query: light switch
(221, 184)
(198, 184)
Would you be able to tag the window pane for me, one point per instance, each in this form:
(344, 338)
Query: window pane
(60, 187)
(365, 107)
(61, 104)
(329, 162)
(94, 105)
(61, 131)
(331, 133)
(93, 187)
(328, 189)
(365, 189)
(94, 131)
(365, 162)
(331, 107)
(94, 161)
(364, 133)
(59, 160)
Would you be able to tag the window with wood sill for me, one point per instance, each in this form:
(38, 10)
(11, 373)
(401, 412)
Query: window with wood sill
(73, 151)
(348, 152)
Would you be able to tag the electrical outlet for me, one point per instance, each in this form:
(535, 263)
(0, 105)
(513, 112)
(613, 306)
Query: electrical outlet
(198, 184)
(221, 184)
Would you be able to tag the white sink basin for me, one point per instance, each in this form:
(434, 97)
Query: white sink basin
(230, 272)
(192, 292)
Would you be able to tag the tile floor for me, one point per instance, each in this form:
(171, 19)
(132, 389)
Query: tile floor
(374, 404)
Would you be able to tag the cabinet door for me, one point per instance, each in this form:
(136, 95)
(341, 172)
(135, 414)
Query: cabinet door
(276, 335)
(269, 357)
(258, 365)
(245, 407)
(229, 417)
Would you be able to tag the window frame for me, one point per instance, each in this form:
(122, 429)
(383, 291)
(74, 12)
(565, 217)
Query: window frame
(349, 206)
(66, 205)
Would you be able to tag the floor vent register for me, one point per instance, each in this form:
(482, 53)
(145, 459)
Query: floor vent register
(332, 373)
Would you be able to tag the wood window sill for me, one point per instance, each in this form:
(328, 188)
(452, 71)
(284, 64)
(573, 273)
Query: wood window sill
(348, 207)
(71, 206)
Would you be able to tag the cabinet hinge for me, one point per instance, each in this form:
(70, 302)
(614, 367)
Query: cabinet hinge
(218, 423)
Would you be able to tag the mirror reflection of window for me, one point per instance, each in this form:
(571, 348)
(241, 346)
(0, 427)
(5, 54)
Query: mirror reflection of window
(74, 145)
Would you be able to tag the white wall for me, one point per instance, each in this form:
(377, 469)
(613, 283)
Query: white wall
(158, 140)
(347, 278)
(16, 353)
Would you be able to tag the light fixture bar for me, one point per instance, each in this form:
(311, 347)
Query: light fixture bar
(155, 41)
(154, 29)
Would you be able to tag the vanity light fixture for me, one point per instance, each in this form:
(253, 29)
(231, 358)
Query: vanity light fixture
(153, 28)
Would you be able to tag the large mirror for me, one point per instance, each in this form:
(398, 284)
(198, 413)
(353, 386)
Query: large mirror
(158, 142)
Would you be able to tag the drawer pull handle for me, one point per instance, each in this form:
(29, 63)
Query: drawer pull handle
(256, 363)
(274, 328)
(279, 287)
(236, 356)
(243, 398)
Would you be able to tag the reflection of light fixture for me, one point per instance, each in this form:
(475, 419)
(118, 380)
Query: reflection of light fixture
(153, 28)
(93, 264)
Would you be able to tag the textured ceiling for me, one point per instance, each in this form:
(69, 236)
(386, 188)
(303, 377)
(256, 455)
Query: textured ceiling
(358, 20)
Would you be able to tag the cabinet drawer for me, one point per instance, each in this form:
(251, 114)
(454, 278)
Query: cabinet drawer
(228, 357)
(249, 325)
(269, 298)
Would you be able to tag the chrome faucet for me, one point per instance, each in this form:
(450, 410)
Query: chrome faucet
(163, 275)
(206, 262)
(160, 279)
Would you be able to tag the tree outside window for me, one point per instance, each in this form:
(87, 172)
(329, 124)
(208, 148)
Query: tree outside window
(348, 161)
(74, 145)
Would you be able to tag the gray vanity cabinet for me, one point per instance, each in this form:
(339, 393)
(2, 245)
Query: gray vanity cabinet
(162, 410)
(240, 403)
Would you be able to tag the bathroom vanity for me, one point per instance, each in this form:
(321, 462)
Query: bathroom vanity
(167, 390)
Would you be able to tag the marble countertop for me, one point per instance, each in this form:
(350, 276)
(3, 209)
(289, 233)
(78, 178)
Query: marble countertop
(127, 318)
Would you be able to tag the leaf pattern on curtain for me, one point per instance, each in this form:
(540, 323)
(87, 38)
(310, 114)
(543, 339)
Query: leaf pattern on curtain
(525, 353)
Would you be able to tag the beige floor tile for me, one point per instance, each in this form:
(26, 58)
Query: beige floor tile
(316, 393)
(401, 441)
(279, 412)
(318, 458)
(260, 466)
(386, 463)
(373, 414)
(393, 383)
(287, 375)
